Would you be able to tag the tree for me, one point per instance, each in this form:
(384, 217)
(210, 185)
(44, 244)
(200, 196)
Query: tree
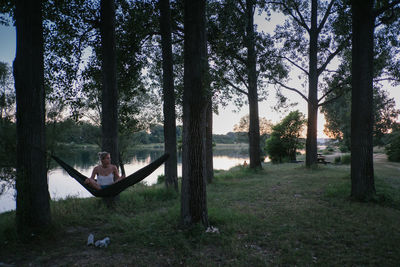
(74, 58)
(362, 168)
(243, 125)
(209, 172)
(109, 100)
(362, 117)
(254, 126)
(241, 60)
(393, 148)
(310, 44)
(193, 195)
(338, 113)
(171, 176)
(285, 138)
(33, 205)
(386, 69)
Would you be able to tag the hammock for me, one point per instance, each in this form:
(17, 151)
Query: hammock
(118, 187)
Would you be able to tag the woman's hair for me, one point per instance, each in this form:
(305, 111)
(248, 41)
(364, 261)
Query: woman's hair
(102, 155)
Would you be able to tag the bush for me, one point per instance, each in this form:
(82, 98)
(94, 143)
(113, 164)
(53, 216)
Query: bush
(393, 148)
(346, 159)
(160, 179)
(285, 138)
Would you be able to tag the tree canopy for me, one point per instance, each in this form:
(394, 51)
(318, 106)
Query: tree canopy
(285, 138)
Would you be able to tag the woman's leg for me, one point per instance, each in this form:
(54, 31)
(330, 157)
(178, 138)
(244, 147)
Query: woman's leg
(92, 183)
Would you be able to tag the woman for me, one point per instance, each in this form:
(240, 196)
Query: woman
(107, 173)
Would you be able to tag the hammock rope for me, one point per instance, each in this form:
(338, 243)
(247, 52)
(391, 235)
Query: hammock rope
(115, 188)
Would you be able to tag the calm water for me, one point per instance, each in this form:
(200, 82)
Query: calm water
(61, 185)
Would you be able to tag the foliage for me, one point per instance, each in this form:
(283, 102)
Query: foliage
(7, 92)
(227, 39)
(393, 148)
(72, 60)
(69, 131)
(8, 148)
(337, 115)
(285, 138)
(344, 159)
(243, 125)
(292, 39)
(7, 129)
(386, 71)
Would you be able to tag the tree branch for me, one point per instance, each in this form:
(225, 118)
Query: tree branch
(235, 87)
(387, 79)
(326, 15)
(300, 21)
(294, 63)
(330, 91)
(239, 75)
(381, 10)
(332, 55)
(291, 89)
(330, 100)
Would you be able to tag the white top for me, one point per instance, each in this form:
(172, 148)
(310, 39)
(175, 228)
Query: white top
(105, 180)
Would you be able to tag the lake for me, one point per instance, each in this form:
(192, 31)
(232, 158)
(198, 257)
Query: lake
(61, 185)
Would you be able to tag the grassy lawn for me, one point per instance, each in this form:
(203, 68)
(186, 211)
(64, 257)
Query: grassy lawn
(283, 215)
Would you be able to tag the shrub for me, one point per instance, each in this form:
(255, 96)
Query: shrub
(393, 148)
(285, 138)
(160, 179)
(346, 159)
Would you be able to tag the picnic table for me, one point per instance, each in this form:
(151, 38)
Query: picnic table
(321, 159)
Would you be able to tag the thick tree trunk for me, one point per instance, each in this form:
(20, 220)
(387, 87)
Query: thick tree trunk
(254, 127)
(209, 141)
(362, 169)
(171, 173)
(33, 207)
(109, 115)
(311, 141)
(193, 196)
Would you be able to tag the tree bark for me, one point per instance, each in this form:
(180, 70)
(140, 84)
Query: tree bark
(33, 207)
(254, 127)
(170, 167)
(193, 196)
(362, 169)
(311, 141)
(209, 141)
(109, 115)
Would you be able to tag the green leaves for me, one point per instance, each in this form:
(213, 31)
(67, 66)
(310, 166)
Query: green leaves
(285, 138)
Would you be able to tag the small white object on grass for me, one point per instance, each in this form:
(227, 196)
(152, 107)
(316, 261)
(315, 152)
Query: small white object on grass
(212, 229)
(102, 243)
(90, 240)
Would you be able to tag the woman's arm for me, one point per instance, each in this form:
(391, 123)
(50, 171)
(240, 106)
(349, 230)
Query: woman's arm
(94, 172)
(116, 174)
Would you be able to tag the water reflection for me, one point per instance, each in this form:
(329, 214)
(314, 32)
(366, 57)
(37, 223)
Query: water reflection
(61, 185)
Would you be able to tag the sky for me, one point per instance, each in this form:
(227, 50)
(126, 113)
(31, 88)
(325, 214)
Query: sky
(230, 115)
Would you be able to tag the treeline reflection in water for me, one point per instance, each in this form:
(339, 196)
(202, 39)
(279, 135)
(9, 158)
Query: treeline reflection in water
(61, 185)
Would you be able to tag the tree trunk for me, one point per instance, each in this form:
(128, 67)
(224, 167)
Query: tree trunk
(254, 127)
(171, 173)
(33, 207)
(209, 141)
(362, 169)
(193, 196)
(109, 114)
(311, 141)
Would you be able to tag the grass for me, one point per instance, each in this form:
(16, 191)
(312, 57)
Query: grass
(282, 215)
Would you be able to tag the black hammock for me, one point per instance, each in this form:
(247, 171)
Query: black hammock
(118, 187)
